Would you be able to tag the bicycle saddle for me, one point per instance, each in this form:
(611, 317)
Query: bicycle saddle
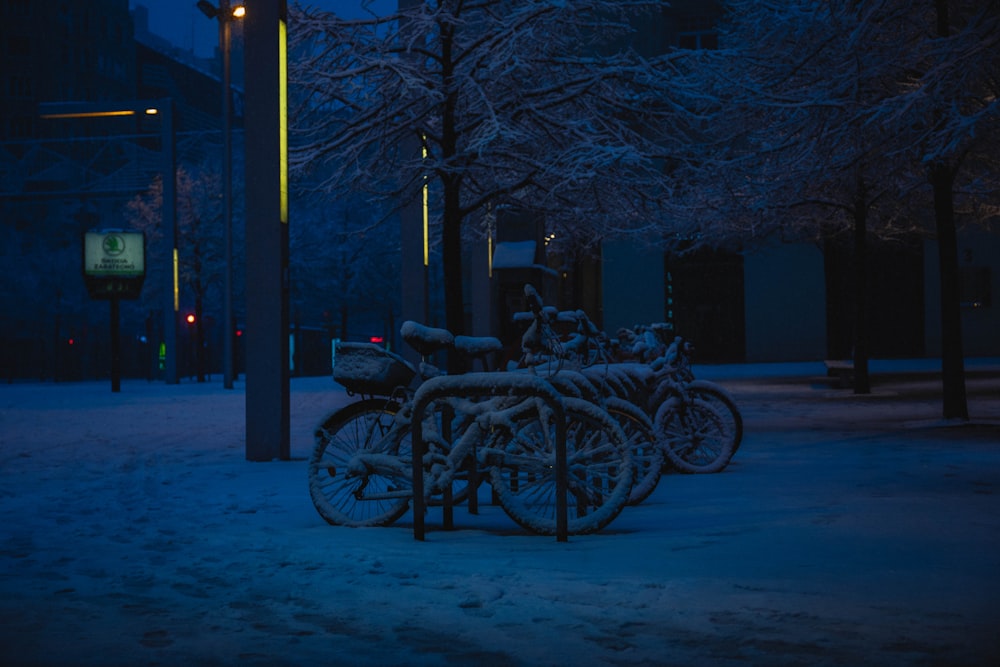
(426, 340)
(475, 346)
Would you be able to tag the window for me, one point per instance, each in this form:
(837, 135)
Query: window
(698, 40)
(697, 32)
(974, 287)
(17, 7)
(19, 87)
(18, 46)
(21, 127)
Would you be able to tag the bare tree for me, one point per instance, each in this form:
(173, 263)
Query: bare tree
(490, 101)
(802, 144)
(199, 244)
(801, 160)
(345, 263)
(947, 117)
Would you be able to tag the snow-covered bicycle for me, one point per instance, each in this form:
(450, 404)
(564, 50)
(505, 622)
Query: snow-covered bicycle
(697, 421)
(690, 425)
(361, 467)
(561, 362)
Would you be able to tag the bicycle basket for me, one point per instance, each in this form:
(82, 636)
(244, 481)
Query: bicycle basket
(366, 368)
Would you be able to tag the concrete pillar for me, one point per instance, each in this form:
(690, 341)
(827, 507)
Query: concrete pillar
(267, 374)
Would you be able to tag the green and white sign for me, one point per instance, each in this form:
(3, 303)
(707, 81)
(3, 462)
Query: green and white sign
(114, 263)
(114, 254)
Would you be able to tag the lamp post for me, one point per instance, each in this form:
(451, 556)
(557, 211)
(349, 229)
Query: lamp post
(164, 108)
(267, 220)
(226, 13)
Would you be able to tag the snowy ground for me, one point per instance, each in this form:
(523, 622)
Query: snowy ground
(848, 531)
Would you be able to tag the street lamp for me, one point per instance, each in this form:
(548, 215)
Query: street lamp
(164, 109)
(226, 14)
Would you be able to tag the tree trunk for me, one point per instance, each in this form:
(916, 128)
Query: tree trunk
(451, 247)
(942, 178)
(451, 183)
(955, 405)
(862, 333)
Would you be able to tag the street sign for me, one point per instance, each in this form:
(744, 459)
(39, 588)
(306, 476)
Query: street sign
(114, 263)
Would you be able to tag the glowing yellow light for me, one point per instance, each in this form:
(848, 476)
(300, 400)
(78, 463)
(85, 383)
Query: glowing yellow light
(152, 112)
(489, 254)
(177, 289)
(90, 114)
(426, 214)
(239, 11)
(426, 230)
(283, 117)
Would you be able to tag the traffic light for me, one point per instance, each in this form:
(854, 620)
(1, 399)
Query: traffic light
(190, 318)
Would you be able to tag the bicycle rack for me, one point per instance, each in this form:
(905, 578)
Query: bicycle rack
(487, 385)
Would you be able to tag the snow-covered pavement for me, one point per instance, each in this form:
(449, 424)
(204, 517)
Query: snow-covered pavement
(847, 531)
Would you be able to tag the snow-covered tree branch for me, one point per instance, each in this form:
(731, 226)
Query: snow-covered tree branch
(539, 103)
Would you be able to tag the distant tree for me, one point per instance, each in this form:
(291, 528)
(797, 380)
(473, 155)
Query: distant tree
(346, 264)
(801, 143)
(794, 82)
(946, 118)
(542, 103)
(199, 247)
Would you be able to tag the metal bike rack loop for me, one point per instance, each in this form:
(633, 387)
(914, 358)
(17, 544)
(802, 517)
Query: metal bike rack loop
(470, 385)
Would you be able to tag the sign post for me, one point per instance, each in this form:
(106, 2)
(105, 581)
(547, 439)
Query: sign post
(114, 268)
(164, 108)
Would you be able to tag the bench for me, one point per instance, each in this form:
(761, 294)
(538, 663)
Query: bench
(842, 370)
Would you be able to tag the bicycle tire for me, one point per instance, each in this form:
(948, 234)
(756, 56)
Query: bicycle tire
(340, 497)
(599, 470)
(647, 455)
(695, 439)
(723, 404)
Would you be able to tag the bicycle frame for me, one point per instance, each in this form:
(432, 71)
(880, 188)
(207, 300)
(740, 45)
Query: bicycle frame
(508, 399)
(511, 426)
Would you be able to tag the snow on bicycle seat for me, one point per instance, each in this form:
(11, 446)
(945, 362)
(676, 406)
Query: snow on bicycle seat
(366, 368)
(426, 340)
(476, 346)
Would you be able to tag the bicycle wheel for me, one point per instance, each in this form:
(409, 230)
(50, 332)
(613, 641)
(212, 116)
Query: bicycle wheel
(372, 498)
(647, 455)
(723, 404)
(695, 439)
(599, 469)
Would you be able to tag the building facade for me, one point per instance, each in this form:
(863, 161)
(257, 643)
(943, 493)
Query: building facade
(786, 301)
(60, 177)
